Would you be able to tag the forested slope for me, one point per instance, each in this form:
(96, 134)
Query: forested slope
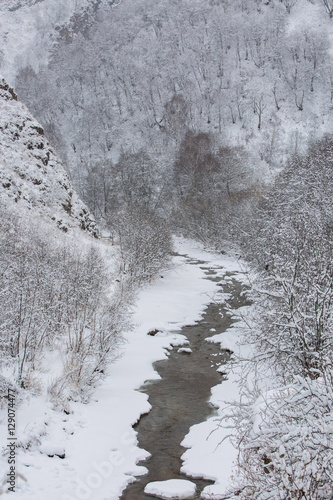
(64, 291)
(250, 74)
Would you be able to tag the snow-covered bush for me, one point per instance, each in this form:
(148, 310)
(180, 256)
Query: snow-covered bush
(28, 293)
(92, 338)
(284, 420)
(55, 295)
(292, 243)
(145, 243)
(285, 439)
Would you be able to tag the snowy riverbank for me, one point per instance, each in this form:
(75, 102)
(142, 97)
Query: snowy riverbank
(97, 438)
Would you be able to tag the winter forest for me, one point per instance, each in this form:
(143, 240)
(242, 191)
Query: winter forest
(147, 146)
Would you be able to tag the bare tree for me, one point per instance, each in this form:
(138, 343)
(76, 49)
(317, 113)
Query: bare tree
(145, 243)
(329, 7)
(258, 109)
(289, 4)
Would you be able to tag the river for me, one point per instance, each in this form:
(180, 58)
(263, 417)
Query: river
(180, 398)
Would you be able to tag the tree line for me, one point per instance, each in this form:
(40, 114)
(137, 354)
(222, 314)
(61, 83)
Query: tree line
(284, 429)
(140, 76)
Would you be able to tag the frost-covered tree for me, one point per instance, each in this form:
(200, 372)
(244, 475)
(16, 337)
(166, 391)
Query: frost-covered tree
(55, 296)
(142, 76)
(284, 436)
(284, 418)
(293, 242)
(145, 243)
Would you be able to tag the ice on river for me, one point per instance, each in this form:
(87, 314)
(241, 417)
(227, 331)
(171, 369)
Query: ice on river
(171, 489)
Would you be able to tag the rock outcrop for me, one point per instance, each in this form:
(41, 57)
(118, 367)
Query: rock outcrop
(31, 174)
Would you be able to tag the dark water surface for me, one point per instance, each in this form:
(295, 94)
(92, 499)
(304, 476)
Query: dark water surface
(180, 399)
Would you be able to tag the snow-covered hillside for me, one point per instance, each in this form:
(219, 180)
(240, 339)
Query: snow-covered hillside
(103, 80)
(29, 29)
(31, 175)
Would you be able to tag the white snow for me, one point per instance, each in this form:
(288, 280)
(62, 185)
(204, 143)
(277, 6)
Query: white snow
(99, 443)
(211, 453)
(174, 489)
(32, 177)
(28, 34)
(51, 449)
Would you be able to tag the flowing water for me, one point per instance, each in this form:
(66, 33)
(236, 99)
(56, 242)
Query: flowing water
(180, 399)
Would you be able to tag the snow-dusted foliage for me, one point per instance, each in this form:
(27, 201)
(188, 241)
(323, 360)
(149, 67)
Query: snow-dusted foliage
(56, 291)
(285, 416)
(256, 73)
(285, 439)
(55, 295)
(31, 175)
(145, 243)
(293, 242)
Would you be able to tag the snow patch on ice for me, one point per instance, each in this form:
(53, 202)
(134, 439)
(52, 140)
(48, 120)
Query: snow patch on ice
(174, 489)
(185, 349)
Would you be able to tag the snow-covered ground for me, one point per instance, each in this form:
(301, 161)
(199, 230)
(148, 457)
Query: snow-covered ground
(97, 439)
